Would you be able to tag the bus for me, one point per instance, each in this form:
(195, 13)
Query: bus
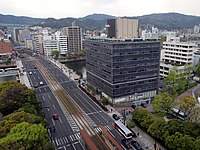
(123, 130)
(11, 69)
(179, 114)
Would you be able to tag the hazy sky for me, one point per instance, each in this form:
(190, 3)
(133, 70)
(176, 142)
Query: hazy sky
(80, 8)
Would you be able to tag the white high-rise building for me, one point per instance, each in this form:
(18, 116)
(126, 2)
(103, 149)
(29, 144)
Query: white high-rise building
(197, 29)
(50, 44)
(176, 54)
(61, 42)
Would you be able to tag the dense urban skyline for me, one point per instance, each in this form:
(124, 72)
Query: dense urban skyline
(77, 8)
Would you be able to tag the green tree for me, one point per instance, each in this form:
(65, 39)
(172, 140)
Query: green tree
(171, 82)
(194, 115)
(163, 102)
(157, 129)
(177, 82)
(143, 117)
(25, 136)
(13, 95)
(55, 53)
(179, 141)
(12, 119)
(186, 103)
(197, 72)
(197, 144)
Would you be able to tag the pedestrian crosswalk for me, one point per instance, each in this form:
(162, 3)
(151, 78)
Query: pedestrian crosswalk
(73, 137)
(98, 129)
(66, 139)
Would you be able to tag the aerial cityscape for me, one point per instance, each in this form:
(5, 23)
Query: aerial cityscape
(100, 75)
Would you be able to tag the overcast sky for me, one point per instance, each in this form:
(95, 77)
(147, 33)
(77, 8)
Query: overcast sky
(80, 8)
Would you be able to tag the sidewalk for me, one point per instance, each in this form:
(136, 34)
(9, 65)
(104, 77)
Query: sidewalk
(145, 140)
(23, 75)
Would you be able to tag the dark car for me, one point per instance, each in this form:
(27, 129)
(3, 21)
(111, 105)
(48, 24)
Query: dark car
(55, 117)
(115, 116)
(133, 133)
(143, 105)
(136, 145)
(126, 145)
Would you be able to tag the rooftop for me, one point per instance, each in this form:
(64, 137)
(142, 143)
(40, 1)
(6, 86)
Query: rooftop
(105, 39)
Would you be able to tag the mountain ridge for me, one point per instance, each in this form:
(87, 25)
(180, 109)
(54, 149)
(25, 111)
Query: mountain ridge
(168, 21)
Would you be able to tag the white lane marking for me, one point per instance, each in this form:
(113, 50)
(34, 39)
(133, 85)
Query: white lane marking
(60, 120)
(53, 122)
(38, 77)
(54, 107)
(40, 90)
(49, 96)
(43, 98)
(48, 109)
(45, 89)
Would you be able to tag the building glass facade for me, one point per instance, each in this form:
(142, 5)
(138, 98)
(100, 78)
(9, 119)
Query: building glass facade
(121, 68)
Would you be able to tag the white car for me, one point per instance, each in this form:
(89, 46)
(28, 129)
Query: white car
(30, 73)
(41, 83)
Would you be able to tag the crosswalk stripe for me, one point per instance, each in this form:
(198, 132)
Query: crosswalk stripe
(71, 138)
(65, 139)
(77, 137)
(56, 142)
(61, 141)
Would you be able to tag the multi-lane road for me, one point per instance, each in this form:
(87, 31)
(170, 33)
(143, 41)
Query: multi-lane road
(66, 134)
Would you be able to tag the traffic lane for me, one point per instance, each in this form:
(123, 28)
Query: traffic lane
(77, 146)
(59, 75)
(116, 135)
(85, 105)
(42, 89)
(80, 103)
(55, 71)
(51, 106)
(101, 118)
(69, 86)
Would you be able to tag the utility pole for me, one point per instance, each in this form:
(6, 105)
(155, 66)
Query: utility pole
(124, 116)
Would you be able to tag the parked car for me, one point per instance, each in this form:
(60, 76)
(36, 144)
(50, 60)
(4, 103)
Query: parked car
(136, 145)
(41, 83)
(30, 73)
(115, 116)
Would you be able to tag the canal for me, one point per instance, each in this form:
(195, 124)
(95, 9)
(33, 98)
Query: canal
(78, 66)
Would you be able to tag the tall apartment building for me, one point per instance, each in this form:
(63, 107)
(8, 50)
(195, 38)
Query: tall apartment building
(62, 42)
(74, 36)
(124, 70)
(123, 28)
(176, 54)
(38, 43)
(50, 44)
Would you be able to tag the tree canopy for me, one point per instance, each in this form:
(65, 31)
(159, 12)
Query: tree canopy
(13, 95)
(174, 134)
(163, 102)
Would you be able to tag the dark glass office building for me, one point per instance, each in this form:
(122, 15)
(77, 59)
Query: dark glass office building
(123, 69)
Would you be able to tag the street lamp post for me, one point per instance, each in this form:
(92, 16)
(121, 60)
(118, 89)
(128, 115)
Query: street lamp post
(155, 141)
